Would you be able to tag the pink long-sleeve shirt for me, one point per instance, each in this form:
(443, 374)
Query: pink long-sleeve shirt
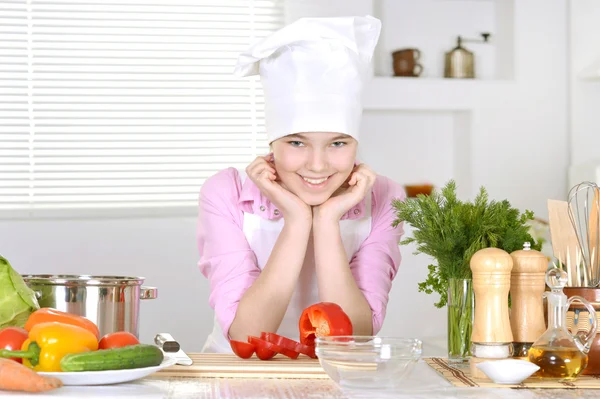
(230, 265)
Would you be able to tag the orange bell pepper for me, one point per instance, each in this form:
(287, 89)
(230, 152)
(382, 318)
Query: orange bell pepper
(45, 315)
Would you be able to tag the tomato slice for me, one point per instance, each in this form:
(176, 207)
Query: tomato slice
(264, 350)
(289, 344)
(321, 320)
(244, 350)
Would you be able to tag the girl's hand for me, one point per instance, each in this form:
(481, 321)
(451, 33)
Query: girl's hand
(262, 172)
(360, 182)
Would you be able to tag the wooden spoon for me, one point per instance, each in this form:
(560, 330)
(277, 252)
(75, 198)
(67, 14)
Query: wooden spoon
(564, 240)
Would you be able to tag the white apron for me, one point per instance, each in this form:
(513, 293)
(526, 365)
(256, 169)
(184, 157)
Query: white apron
(262, 234)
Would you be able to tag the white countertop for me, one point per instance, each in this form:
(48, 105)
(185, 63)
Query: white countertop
(423, 383)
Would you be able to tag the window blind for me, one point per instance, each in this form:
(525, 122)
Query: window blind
(128, 103)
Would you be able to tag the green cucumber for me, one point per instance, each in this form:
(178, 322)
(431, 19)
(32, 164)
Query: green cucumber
(126, 357)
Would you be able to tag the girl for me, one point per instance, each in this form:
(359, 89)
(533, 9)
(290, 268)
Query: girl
(306, 223)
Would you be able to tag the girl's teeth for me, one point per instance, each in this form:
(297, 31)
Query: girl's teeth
(315, 181)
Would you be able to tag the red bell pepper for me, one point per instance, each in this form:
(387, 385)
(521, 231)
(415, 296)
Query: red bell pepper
(261, 343)
(321, 320)
(318, 320)
(267, 346)
(289, 344)
(244, 350)
(264, 350)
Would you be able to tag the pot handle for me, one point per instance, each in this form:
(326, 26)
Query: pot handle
(148, 292)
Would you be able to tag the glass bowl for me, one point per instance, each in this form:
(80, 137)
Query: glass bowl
(368, 361)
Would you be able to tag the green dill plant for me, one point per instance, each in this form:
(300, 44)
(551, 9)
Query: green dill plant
(451, 231)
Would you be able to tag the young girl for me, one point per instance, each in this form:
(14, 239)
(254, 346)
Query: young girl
(306, 223)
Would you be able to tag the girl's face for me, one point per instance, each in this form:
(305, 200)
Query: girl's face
(314, 165)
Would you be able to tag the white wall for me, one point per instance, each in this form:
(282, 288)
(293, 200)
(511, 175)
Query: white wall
(520, 141)
(584, 79)
(517, 141)
(161, 249)
(516, 144)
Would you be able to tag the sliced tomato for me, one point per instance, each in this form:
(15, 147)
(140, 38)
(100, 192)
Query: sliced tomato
(244, 350)
(321, 320)
(264, 350)
(289, 344)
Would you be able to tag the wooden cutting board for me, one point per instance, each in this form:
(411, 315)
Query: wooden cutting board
(211, 365)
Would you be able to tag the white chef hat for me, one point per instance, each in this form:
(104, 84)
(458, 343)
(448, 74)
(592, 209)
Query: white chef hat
(313, 72)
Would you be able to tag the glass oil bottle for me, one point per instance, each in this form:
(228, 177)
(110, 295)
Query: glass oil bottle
(560, 354)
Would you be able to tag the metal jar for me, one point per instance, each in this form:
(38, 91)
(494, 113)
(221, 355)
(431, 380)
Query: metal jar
(112, 302)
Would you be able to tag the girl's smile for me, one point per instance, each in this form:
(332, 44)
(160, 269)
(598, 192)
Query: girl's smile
(315, 182)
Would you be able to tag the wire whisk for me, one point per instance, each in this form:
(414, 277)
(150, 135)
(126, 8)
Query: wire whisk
(584, 212)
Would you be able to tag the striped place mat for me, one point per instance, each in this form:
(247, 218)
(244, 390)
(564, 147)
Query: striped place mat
(461, 377)
(213, 365)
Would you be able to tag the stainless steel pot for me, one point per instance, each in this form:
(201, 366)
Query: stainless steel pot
(112, 302)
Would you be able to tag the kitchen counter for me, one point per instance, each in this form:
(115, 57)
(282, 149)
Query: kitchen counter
(424, 383)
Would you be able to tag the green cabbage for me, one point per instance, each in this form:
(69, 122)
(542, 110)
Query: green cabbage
(17, 300)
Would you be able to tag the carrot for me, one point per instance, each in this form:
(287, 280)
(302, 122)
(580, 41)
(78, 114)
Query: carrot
(16, 377)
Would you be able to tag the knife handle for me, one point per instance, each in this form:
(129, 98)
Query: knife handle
(166, 342)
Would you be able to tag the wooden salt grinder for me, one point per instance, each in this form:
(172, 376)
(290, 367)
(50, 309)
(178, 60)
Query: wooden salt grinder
(527, 285)
(492, 335)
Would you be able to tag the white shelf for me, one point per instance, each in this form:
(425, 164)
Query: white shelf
(421, 94)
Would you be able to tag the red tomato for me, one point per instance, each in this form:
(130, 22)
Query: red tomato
(117, 340)
(289, 344)
(264, 350)
(12, 338)
(321, 320)
(244, 350)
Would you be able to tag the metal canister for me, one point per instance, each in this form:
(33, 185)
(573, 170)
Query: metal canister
(459, 62)
(112, 302)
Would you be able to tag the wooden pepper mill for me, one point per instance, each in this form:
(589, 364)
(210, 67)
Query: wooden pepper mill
(527, 285)
(492, 335)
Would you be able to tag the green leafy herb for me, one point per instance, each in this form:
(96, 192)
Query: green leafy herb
(451, 231)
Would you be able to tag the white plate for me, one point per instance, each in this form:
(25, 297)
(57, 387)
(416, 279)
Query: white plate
(108, 376)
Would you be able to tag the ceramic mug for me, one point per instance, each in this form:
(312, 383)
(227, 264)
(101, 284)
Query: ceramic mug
(406, 62)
